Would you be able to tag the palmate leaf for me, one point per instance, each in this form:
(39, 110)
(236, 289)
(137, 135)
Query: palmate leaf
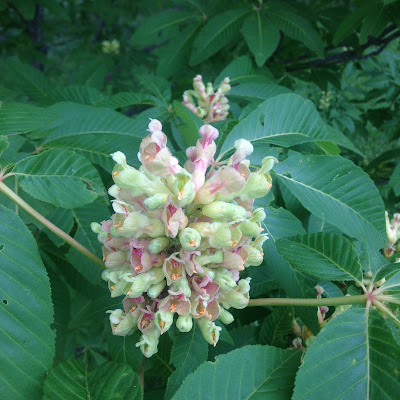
(155, 28)
(280, 223)
(188, 352)
(71, 380)
(276, 327)
(3, 143)
(17, 118)
(78, 94)
(251, 371)
(26, 312)
(354, 357)
(174, 54)
(261, 36)
(84, 216)
(60, 177)
(295, 26)
(324, 255)
(284, 120)
(216, 34)
(334, 189)
(95, 132)
(126, 99)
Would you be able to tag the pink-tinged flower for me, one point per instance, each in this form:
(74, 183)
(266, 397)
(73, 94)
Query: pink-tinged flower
(243, 149)
(236, 259)
(145, 322)
(190, 263)
(131, 305)
(173, 269)
(204, 309)
(322, 311)
(175, 302)
(204, 286)
(224, 185)
(205, 150)
(174, 219)
(297, 343)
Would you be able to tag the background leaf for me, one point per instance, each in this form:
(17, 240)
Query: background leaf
(26, 312)
(59, 177)
(354, 357)
(333, 189)
(272, 371)
(324, 255)
(71, 380)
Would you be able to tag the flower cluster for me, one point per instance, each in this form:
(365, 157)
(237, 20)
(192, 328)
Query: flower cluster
(110, 47)
(205, 103)
(180, 236)
(393, 234)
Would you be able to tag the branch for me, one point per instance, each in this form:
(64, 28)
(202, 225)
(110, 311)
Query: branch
(39, 217)
(351, 55)
(328, 301)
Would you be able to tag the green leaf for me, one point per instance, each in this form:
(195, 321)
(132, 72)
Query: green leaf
(216, 34)
(71, 380)
(3, 144)
(284, 120)
(84, 216)
(295, 26)
(28, 80)
(17, 118)
(374, 23)
(188, 352)
(261, 36)
(354, 357)
(257, 88)
(158, 86)
(351, 22)
(394, 180)
(276, 327)
(191, 123)
(123, 349)
(324, 255)
(26, 340)
(392, 285)
(174, 54)
(155, 28)
(60, 177)
(248, 372)
(95, 133)
(78, 94)
(281, 223)
(125, 99)
(334, 189)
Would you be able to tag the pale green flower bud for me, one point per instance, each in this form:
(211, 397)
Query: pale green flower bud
(258, 215)
(258, 185)
(237, 297)
(220, 210)
(110, 275)
(143, 281)
(122, 324)
(255, 257)
(183, 285)
(117, 259)
(155, 290)
(163, 320)
(155, 228)
(267, 164)
(96, 228)
(224, 279)
(132, 225)
(183, 188)
(159, 244)
(190, 239)
(149, 343)
(249, 229)
(113, 191)
(209, 272)
(209, 330)
(225, 87)
(221, 236)
(205, 259)
(184, 323)
(120, 288)
(155, 202)
(225, 316)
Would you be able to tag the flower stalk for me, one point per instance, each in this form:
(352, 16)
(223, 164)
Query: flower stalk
(44, 221)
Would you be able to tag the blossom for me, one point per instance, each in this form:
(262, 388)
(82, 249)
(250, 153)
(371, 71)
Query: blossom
(207, 104)
(180, 236)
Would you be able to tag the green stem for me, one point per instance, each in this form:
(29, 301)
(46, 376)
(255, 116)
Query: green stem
(327, 301)
(39, 217)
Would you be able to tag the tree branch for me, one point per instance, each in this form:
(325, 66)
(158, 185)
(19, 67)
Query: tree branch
(351, 55)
